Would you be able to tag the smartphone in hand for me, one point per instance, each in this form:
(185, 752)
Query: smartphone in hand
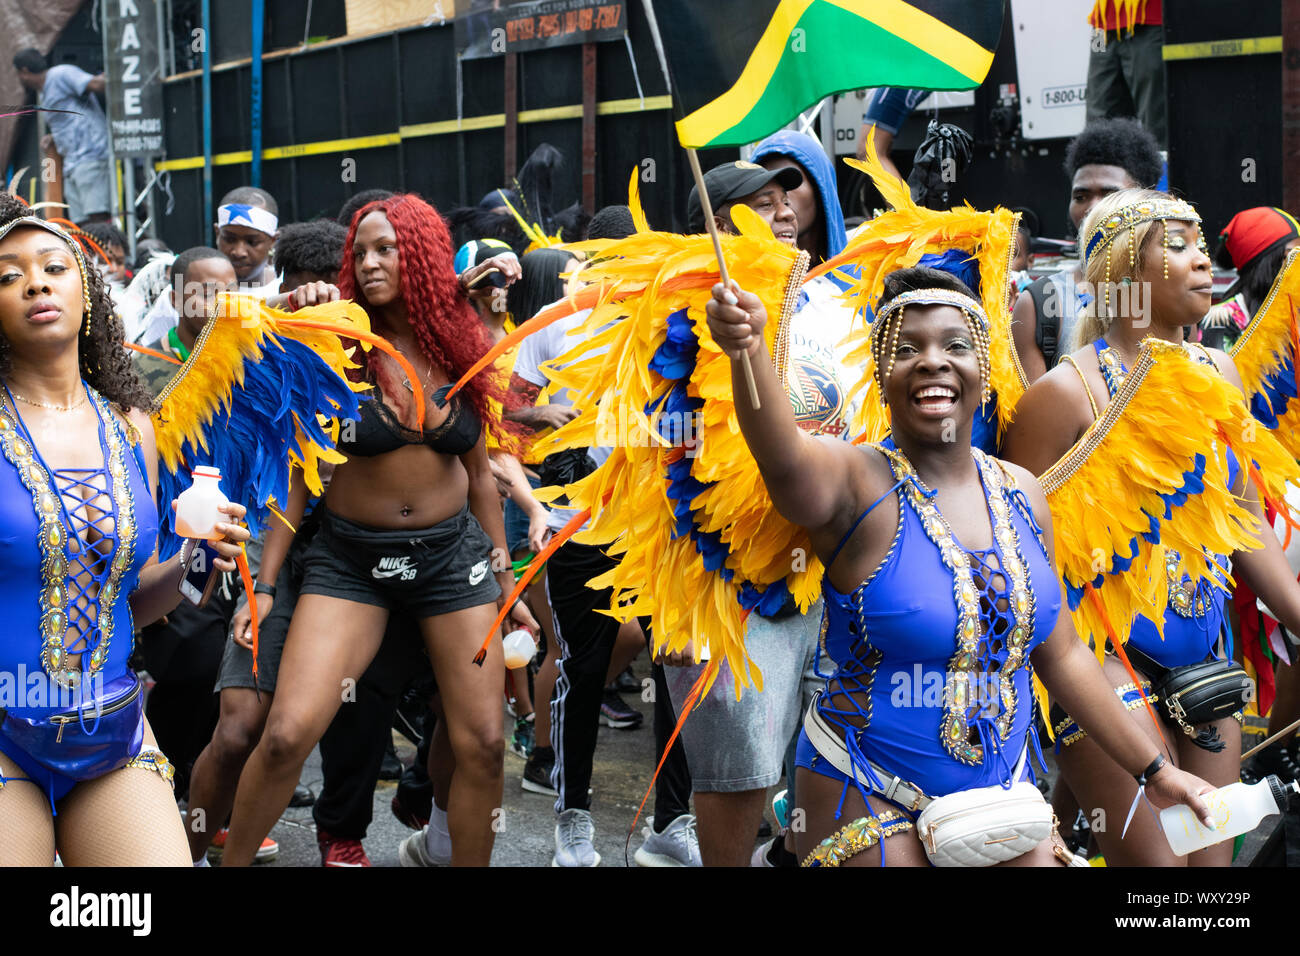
(201, 572)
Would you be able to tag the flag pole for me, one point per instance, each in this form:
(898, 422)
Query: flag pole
(722, 264)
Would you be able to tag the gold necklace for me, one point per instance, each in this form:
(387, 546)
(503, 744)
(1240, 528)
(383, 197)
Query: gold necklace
(50, 405)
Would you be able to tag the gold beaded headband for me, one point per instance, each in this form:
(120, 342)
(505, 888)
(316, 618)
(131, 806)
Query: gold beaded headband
(935, 297)
(889, 320)
(1147, 210)
(73, 245)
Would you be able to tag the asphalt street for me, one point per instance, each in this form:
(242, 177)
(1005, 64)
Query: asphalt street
(624, 763)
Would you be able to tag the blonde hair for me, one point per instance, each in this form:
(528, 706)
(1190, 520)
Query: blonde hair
(1124, 258)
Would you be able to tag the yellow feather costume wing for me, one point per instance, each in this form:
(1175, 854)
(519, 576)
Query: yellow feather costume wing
(1139, 482)
(256, 396)
(1265, 356)
(680, 500)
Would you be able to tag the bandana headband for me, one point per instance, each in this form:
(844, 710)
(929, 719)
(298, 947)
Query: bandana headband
(244, 214)
(73, 246)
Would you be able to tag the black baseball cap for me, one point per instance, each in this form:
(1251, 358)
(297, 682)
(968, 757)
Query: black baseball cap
(732, 181)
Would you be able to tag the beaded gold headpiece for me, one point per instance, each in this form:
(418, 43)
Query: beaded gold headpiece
(889, 320)
(73, 246)
(1146, 210)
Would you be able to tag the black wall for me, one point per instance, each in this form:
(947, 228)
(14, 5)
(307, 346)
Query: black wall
(376, 85)
(1224, 111)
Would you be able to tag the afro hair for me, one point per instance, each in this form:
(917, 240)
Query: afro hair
(311, 247)
(1121, 142)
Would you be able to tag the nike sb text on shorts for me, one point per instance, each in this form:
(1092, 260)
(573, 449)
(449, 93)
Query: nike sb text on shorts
(424, 572)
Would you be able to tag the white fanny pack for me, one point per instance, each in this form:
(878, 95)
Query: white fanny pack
(976, 827)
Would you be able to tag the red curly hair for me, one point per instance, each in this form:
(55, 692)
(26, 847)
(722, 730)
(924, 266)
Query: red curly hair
(447, 329)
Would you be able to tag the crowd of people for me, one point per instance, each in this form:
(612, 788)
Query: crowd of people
(938, 543)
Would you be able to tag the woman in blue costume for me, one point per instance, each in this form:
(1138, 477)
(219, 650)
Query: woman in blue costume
(1129, 253)
(77, 534)
(939, 587)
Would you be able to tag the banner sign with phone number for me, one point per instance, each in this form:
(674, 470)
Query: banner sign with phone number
(536, 25)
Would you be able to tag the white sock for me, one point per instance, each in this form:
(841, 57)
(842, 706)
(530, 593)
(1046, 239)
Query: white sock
(202, 861)
(437, 838)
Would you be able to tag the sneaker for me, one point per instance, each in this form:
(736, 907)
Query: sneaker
(340, 851)
(615, 713)
(537, 772)
(267, 851)
(774, 854)
(573, 834)
(406, 815)
(524, 737)
(627, 682)
(302, 797)
(781, 809)
(678, 845)
(414, 851)
(391, 768)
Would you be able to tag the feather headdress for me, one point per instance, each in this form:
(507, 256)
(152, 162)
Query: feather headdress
(955, 241)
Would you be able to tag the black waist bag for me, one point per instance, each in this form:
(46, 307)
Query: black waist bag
(1198, 694)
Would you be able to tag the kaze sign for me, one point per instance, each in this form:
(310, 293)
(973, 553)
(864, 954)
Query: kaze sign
(134, 76)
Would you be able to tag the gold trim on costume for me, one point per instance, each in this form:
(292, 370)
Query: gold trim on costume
(850, 840)
(154, 759)
(1058, 474)
(52, 540)
(793, 287)
(960, 693)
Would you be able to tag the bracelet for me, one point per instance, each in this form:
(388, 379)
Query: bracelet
(1151, 770)
(260, 588)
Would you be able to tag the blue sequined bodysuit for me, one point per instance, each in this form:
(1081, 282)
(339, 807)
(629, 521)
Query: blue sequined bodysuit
(72, 543)
(932, 677)
(1194, 618)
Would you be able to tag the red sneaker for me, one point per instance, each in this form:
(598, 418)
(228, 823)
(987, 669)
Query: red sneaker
(408, 816)
(267, 851)
(340, 851)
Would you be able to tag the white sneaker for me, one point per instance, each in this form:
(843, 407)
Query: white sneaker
(414, 851)
(573, 840)
(678, 845)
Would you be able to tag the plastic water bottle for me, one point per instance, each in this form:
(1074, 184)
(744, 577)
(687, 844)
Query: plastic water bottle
(519, 648)
(1236, 809)
(197, 508)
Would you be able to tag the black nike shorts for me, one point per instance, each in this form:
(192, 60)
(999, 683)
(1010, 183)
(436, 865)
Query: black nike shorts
(425, 572)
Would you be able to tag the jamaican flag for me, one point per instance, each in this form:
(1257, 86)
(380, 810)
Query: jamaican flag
(743, 68)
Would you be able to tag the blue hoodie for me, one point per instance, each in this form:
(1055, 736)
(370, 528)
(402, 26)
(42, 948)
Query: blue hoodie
(808, 153)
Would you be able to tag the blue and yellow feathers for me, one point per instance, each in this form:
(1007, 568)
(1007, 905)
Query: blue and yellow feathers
(256, 397)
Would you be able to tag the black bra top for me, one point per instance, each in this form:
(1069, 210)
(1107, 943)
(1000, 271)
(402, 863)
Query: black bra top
(377, 430)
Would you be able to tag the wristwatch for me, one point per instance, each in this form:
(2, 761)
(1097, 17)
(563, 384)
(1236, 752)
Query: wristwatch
(260, 588)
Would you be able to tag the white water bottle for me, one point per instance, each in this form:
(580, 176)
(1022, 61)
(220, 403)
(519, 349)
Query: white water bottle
(1236, 809)
(519, 647)
(197, 507)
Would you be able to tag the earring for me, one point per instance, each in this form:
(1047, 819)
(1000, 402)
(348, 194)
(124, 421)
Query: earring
(1106, 285)
(1164, 251)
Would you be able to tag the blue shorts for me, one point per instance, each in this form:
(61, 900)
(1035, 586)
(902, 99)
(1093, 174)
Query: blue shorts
(891, 106)
(56, 786)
